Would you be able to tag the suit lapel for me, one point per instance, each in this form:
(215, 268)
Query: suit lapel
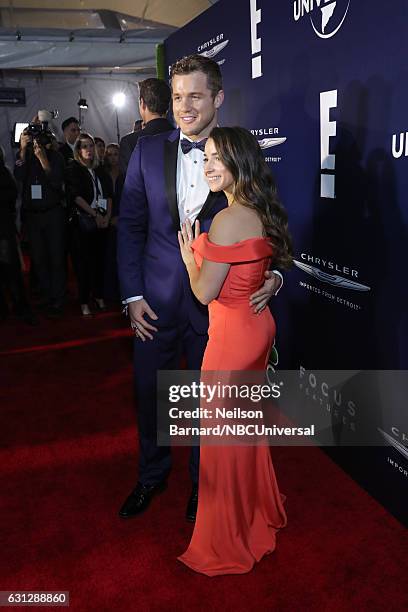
(212, 199)
(170, 173)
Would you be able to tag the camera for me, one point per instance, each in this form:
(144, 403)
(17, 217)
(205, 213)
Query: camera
(39, 132)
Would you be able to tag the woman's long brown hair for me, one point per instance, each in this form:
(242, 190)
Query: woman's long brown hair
(255, 187)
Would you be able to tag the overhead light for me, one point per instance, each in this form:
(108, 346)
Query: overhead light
(119, 99)
(82, 103)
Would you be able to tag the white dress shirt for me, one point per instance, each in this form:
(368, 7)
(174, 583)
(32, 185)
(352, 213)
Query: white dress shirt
(192, 188)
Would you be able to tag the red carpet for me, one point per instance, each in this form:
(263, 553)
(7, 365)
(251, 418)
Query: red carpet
(68, 460)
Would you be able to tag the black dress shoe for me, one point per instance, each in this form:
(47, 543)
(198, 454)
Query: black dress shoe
(140, 498)
(54, 312)
(192, 505)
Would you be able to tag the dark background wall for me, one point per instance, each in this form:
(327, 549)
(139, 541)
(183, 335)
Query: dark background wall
(330, 89)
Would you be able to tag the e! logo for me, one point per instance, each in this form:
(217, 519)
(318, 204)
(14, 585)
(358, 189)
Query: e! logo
(328, 100)
(255, 41)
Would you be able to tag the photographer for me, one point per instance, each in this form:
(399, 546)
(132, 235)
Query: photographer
(11, 277)
(89, 191)
(41, 172)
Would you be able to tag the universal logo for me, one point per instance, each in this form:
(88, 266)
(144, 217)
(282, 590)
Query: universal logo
(402, 148)
(326, 16)
(326, 277)
(211, 48)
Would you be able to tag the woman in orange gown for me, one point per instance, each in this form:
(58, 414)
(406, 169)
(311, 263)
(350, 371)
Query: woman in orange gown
(240, 508)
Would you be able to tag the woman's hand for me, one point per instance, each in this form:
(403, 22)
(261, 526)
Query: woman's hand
(99, 221)
(105, 221)
(185, 238)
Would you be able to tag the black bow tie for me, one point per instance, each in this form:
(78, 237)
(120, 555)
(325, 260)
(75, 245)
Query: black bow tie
(187, 145)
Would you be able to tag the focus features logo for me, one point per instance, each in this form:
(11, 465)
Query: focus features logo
(330, 399)
(326, 16)
(211, 48)
(271, 139)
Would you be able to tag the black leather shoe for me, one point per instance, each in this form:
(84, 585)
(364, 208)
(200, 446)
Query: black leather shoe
(192, 505)
(140, 498)
(54, 312)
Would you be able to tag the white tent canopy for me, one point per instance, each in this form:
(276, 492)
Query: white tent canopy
(55, 49)
(60, 50)
(72, 33)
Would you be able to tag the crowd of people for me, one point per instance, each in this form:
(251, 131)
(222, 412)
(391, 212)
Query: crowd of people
(69, 204)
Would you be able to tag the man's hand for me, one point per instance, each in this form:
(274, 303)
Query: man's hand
(260, 298)
(25, 139)
(142, 328)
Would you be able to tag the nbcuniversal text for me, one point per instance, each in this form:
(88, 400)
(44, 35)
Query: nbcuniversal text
(283, 408)
(241, 430)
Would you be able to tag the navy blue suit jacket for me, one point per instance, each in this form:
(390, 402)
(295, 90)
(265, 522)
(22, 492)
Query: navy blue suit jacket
(149, 260)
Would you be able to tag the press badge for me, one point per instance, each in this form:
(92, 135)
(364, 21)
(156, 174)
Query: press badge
(103, 203)
(36, 192)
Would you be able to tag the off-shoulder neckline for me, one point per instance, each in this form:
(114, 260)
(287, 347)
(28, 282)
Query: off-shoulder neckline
(227, 246)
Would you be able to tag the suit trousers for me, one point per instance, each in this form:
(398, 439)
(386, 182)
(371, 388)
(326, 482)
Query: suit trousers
(47, 237)
(164, 352)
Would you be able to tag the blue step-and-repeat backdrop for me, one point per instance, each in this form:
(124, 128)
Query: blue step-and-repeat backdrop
(323, 85)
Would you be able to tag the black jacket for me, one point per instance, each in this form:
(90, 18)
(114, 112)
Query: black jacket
(8, 196)
(79, 183)
(129, 142)
(30, 172)
(66, 152)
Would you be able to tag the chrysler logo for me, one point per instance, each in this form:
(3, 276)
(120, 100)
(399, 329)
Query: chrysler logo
(215, 50)
(266, 143)
(393, 442)
(331, 279)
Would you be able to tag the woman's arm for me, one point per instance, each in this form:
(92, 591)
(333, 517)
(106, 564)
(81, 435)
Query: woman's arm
(206, 282)
(76, 186)
(107, 217)
(81, 203)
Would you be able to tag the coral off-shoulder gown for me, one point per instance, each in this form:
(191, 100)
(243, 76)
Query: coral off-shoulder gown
(240, 508)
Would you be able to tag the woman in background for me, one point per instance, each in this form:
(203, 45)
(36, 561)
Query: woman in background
(99, 149)
(89, 192)
(111, 166)
(240, 507)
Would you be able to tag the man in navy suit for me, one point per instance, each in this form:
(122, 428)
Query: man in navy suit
(165, 185)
